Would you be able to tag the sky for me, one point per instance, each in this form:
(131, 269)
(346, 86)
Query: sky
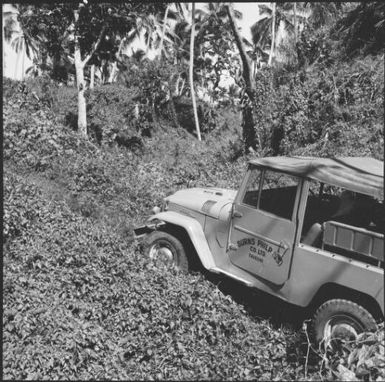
(250, 16)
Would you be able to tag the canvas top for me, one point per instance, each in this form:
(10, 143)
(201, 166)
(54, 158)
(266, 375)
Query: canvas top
(359, 174)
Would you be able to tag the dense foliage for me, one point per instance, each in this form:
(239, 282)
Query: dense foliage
(81, 301)
(79, 298)
(327, 108)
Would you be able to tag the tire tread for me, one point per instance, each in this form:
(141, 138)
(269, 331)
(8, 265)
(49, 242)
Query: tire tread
(345, 306)
(150, 239)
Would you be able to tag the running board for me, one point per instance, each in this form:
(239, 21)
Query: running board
(231, 275)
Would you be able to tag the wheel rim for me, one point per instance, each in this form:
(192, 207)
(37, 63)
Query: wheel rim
(341, 327)
(162, 252)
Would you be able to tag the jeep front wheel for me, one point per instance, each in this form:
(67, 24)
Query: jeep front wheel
(163, 247)
(341, 319)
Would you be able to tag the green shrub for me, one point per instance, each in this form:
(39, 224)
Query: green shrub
(153, 78)
(21, 206)
(85, 304)
(80, 301)
(322, 110)
(111, 112)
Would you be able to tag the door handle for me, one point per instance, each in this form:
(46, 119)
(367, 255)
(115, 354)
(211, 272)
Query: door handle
(237, 214)
(233, 247)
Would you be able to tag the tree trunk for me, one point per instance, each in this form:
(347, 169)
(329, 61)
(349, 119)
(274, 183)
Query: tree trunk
(4, 54)
(172, 110)
(92, 77)
(79, 68)
(23, 63)
(82, 112)
(176, 92)
(255, 63)
(272, 34)
(182, 87)
(192, 71)
(115, 64)
(148, 44)
(17, 64)
(112, 73)
(246, 64)
(295, 22)
(248, 129)
(163, 30)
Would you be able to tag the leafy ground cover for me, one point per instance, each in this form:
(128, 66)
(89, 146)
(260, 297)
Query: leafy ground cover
(81, 301)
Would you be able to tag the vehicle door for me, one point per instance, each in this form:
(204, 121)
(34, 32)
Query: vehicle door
(263, 224)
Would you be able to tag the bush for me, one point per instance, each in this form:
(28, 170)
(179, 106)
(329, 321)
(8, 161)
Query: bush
(207, 116)
(85, 304)
(115, 111)
(320, 110)
(21, 207)
(362, 359)
(80, 301)
(30, 134)
(153, 78)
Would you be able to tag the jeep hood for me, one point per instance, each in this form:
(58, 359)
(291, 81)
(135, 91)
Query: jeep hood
(214, 202)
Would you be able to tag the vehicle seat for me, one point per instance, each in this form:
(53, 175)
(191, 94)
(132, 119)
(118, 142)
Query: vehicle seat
(313, 236)
(363, 211)
(345, 208)
(354, 210)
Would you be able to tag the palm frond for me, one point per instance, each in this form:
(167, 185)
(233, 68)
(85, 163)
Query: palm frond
(260, 29)
(247, 42)
(238, 14)
(173, 15)
(265, 10)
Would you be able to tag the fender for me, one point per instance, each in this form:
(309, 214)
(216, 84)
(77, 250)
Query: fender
(195, 232)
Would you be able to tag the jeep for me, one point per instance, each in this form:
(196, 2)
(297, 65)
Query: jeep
(309, 231)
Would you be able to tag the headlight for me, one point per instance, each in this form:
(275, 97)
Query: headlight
(155, 210)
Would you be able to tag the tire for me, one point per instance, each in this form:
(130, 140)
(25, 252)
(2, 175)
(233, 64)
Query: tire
(340, 319)
(161, 246)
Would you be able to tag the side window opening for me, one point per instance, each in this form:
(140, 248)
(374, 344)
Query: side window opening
(252, 189)
(342, 221)
(277, 195)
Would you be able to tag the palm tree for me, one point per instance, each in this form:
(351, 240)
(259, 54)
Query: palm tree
(20, 39)
(164, 29)
(295, 21)
(203, 22)
(9, 27)
(363, 28)
(322, 12)
(124, 42)
(154, 32)
(192, 71)
(249, 132)
(215, 40)
(274, 7)
(257, 55)
(265, 31)
(24, 45)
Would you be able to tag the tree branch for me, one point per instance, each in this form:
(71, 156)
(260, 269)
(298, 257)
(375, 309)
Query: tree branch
(96, 46)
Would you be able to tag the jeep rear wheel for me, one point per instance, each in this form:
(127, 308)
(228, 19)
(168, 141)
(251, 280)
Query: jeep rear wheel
(341, 320)
(163, 247)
